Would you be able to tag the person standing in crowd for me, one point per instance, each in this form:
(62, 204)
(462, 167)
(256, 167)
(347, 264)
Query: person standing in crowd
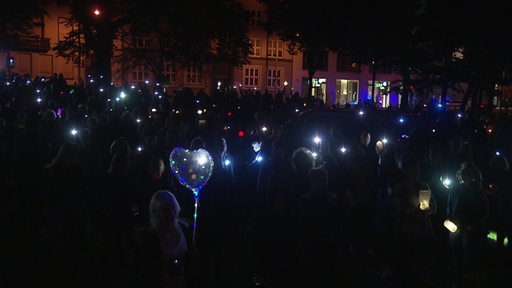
(320, 232)
(412, 226)
(280, 257)
(163, 248)
(65, 211)
(468, 208)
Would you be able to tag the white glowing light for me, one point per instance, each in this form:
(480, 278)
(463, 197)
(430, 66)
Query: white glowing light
(317, 140)
(343, 149)
(74, 131)
(122, 95)
(202, 159)
(450, 226)
(447, 182)
(256, 146)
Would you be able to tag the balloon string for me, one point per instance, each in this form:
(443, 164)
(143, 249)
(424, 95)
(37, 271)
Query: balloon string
(196, 197)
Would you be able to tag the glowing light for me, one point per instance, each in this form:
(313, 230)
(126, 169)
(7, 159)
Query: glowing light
(497, 153)
(201, 159)
(139, 148)
(122, 95)
(317, 140)
(96, 12)
(343, 149)
(264, 128)
(447, 182)
(361, 113)
(256, 146)
(227, 162)
(450, 226)
(74, 131)
(492, 235)
(424, 199)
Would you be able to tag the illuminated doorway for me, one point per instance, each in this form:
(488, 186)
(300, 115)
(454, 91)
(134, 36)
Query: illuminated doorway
(347, 92)
(382, 90)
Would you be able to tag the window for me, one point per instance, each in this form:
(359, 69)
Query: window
(274, 77)
(193, 75)
(256, 47)
(382, 91)
(275, 49)
(347, 91)
(347, 63)
(255, 18)
(170, 73)
(139, 74)
(251, 76)
(141, 40)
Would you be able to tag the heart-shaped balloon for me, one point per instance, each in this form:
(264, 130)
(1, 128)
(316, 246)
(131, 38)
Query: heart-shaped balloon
(192, 168)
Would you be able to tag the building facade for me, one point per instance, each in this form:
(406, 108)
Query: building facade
(339, 81)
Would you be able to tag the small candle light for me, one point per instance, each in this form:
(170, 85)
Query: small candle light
(450, 226)
(424, 199)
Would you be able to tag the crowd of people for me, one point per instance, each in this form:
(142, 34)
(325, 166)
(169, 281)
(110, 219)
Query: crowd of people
(88, 198)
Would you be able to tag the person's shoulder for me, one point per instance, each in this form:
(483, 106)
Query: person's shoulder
(185, 223)
(187, 226)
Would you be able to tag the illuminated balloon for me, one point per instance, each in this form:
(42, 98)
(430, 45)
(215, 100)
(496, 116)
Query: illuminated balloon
(192, 168)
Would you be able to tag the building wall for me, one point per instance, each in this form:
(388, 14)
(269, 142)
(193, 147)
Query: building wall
(292, 78)
(296, 76)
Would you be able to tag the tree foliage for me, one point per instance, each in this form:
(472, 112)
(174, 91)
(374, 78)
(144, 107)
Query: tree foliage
(187, 33)
(19, 18)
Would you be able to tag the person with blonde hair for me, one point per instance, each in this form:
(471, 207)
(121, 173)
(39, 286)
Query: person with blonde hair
(164, 246)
